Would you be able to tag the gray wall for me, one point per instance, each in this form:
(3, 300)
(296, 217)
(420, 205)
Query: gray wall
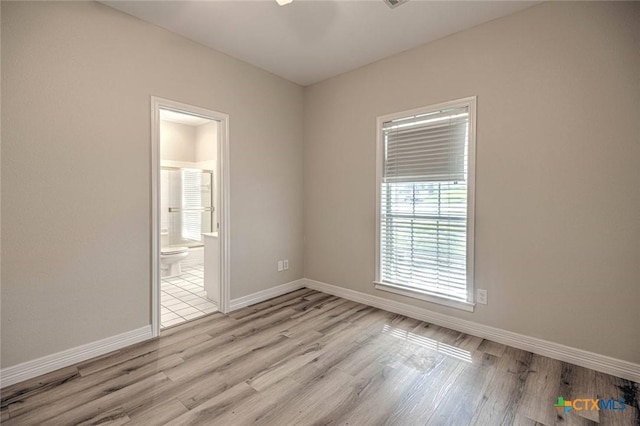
(76, 84)
(558, 150)
(557, 230)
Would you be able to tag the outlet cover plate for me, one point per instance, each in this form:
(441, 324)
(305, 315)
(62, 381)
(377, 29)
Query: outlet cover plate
(481, 296)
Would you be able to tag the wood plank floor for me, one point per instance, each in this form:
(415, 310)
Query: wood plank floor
(310, 358)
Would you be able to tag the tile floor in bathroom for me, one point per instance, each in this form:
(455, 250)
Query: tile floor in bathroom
(183, 297)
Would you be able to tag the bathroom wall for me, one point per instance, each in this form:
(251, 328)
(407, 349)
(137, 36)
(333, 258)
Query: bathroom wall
(77, 78)
(195, 257)
(183, 143)
(178, 141)
(207, 157)
(206, 144)
(558, 149)
(191, 146)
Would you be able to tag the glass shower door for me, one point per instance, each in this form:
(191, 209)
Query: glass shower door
(189, 205)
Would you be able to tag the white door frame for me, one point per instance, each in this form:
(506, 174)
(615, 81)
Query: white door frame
(223, 180)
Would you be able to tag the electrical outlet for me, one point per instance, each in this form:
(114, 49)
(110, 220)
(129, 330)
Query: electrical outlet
(285, 264)
(280, 267)
(481, 296)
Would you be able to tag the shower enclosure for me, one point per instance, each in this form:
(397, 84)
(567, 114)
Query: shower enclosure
(186, 205)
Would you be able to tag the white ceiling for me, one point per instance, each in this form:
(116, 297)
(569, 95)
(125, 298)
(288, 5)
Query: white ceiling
(309, 41)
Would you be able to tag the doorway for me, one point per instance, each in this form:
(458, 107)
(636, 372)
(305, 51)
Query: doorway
(189, 206)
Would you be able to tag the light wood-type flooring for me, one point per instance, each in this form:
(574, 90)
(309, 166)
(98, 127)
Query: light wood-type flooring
(308, 358)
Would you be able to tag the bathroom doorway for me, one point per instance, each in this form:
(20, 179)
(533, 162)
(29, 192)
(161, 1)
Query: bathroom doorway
(190, 272)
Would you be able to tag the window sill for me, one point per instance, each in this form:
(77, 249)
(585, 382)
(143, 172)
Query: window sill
(415, 294)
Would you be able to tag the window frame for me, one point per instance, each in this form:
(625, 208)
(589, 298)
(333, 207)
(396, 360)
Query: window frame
(470, 103)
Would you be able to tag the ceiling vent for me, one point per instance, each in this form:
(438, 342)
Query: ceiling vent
(394, 3)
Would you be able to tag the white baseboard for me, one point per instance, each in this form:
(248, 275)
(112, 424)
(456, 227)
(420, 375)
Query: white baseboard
(616, 367)
(605, 364)
(49, 363)
(267, 294)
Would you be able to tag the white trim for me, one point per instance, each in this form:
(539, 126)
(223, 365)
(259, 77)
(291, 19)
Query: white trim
(616, 367)
(224, 215)
(471, 103)
(223, 177)
(49, 363)
(267, 294)
(155, 217)
(471, 200)
(465, 306)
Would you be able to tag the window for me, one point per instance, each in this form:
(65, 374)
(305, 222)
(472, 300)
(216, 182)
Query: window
(425, 208)
(191, 204)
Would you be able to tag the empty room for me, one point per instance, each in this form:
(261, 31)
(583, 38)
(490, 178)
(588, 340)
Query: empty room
(300, 212)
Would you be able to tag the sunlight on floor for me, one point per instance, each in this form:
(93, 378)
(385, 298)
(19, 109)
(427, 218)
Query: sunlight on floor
(425, 342)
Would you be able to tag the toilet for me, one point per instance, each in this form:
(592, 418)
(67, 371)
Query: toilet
(170, 258)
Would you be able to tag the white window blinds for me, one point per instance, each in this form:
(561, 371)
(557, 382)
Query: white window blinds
(423, 203)
(191, 204)
(426, 148)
